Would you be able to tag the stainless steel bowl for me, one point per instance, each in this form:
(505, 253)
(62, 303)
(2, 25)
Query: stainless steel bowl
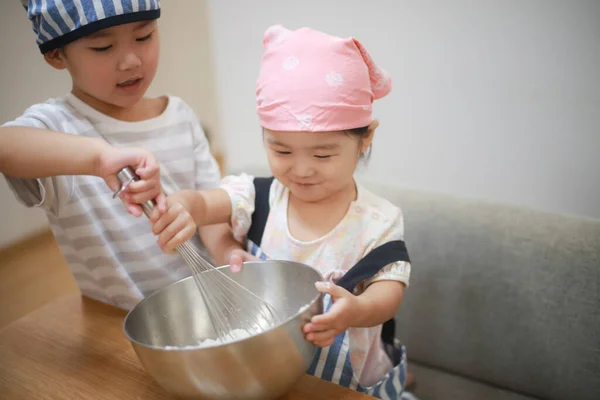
(166, 327)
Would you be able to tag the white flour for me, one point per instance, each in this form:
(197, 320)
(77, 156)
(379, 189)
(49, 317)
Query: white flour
(237, 334)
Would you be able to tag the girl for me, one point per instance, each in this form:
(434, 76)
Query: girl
(314, 97)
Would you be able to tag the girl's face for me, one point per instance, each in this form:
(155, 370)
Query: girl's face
(315, 165)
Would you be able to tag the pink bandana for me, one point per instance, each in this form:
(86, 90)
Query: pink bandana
(312, 81)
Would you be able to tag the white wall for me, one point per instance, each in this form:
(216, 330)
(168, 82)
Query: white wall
(184, 70)
(493, 100)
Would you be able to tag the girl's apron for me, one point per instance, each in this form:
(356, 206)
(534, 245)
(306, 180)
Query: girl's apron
(333, 363)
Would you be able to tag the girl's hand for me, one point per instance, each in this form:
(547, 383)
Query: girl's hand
(145, 165)
(173, 227)
(322, 329)
(237, 257)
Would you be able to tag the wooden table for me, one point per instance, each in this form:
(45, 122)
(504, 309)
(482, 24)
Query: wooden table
(75, 348)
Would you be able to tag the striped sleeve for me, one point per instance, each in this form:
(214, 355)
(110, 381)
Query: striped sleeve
(207, 172)
(49, 193)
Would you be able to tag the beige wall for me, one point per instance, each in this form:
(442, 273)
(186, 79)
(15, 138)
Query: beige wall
(25, 79)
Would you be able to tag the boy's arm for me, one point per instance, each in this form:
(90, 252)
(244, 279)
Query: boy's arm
(39, 153)
(31, 153)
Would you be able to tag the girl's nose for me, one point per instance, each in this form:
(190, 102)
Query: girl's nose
(302, 169)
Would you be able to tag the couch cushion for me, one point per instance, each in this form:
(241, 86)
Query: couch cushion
(433, 384)
(502, 294)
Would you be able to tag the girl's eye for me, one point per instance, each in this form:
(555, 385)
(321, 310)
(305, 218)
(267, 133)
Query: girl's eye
(283, 153)
(101, 49)
(144, 38)
(323, 157)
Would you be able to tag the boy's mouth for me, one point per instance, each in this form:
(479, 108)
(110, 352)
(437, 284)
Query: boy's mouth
(129, 82)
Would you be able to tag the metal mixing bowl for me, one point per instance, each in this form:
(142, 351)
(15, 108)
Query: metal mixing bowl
(264, 366)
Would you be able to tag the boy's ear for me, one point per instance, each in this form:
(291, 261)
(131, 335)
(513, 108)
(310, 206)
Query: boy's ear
(56, 58)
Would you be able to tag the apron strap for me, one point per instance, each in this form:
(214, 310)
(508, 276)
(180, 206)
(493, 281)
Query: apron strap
(367, 267)
(262, 186)
(373, 262)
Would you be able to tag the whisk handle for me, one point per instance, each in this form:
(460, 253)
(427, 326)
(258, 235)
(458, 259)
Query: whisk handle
(126, 176)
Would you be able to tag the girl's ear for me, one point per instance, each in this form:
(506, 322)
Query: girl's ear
(367, 140)
(56, 58)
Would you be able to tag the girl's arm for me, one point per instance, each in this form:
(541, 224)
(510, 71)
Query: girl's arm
(219, 240)
(377, 304)
(206, 207)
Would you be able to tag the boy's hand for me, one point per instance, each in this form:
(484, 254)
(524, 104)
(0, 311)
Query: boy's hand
(145, 165)
(322, 329)
(174, 226)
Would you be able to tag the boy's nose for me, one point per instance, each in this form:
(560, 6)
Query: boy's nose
(129, 61)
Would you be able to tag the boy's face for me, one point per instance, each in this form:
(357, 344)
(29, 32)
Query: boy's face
(114, 66)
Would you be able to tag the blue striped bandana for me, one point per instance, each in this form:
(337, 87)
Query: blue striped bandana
(59, 22)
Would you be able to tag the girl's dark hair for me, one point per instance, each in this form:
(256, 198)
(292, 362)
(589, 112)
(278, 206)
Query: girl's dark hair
(361, 133)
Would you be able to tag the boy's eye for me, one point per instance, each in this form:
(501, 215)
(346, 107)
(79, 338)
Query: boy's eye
(323, 157)
(283, 152)
(144, 38)
(101, 49)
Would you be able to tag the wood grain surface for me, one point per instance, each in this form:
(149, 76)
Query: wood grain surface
(75, 348)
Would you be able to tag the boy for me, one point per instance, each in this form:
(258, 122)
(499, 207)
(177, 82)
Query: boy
(110, 49)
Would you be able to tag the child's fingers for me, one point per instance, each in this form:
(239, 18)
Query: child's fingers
(321, 336)
(312, 327)
(139, 198)
(235, 262)
(170, 231)
(134, 210)
(162, 222)
(181, 237)
(154, 215)
(148, 171)
(113, 182)
(320, 327)
(135, 198)
(161, 202)
(325, 343)
(332, 289)
(326, 319)
(143, 186)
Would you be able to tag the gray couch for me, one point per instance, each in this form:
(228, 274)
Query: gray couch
(504, 302)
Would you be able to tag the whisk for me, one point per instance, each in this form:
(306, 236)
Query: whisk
(230, 305)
